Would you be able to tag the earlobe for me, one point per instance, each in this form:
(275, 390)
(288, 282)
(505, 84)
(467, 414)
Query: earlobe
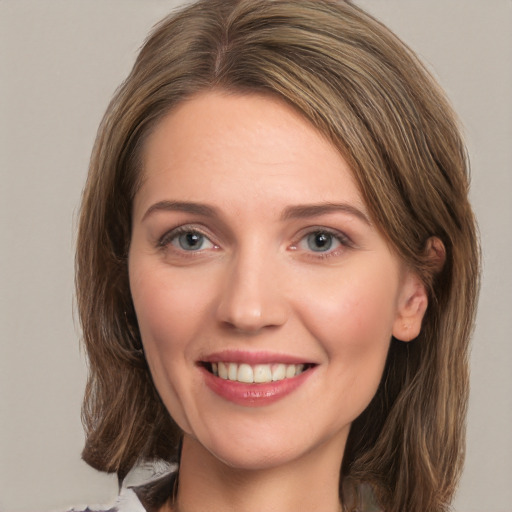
(411, 308)
(414, 297)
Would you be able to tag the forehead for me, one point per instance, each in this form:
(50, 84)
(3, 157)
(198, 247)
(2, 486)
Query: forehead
(223, 146)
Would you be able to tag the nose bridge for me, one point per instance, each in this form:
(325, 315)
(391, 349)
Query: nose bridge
(251, 297)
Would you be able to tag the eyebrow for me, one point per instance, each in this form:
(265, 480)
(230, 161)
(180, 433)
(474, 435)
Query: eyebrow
(315, 210)
(291, 212)
(181, 206)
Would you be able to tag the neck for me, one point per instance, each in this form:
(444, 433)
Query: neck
(308, 483)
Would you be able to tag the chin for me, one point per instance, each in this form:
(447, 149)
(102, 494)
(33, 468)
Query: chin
(267, 448)
(255, 459)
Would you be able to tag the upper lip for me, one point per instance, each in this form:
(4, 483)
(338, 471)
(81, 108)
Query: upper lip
(249, 357)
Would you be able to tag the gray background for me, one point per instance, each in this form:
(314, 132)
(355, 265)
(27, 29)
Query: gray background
(60, 61)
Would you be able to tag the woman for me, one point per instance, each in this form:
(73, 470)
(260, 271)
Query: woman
(277, 266)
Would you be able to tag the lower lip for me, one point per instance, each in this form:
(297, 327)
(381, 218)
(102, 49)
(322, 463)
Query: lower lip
(254, 395)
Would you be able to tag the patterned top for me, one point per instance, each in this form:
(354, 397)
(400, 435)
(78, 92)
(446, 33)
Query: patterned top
(127, 501)
(150, 497)
(143, 498)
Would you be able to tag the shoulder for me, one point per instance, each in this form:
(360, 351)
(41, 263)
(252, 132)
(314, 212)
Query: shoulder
(127, 501)
(155, 494)
(148, 497)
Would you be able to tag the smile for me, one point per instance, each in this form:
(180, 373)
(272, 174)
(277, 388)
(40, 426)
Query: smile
(253, 379)
(257, 373)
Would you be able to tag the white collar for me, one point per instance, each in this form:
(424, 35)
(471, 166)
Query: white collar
(127, 501)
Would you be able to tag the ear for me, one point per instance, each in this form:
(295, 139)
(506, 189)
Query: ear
(412, 304)
(413, 300)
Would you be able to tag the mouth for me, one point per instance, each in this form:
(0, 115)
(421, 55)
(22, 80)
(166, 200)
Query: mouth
(253, 379)
(255, 373)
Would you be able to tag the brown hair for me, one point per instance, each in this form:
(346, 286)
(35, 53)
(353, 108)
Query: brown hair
(359, 85)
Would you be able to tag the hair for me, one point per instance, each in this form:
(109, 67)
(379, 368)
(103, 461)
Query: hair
(361, 87)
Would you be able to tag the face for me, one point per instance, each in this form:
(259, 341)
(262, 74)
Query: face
(265, 296)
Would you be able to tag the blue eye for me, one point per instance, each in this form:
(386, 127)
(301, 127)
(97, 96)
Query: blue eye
(188, 240)
(323, 242)
(320, 241)
(191, 241)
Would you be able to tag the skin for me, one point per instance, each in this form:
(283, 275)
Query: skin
(258, 283)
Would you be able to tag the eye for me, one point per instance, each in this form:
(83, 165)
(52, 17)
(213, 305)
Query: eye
(321, 241)
(191, 241)
(187, 239)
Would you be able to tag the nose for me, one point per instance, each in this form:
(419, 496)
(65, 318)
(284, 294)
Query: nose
(252, 298)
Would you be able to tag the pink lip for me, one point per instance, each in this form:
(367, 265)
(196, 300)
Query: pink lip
(242, 356)
(254, 395)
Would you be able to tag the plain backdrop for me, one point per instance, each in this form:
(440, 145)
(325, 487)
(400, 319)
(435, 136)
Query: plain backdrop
(60, 61)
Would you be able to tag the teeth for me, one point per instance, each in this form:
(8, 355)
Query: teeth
(223, 371)
(259, 373)
(279, 372)
(290, 371)
(232, 371)
(245, 373)
(262, 373)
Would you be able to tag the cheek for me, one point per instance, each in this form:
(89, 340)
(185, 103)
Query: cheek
(169, 312)
(353, 320)
(167, 307)
(355, 312)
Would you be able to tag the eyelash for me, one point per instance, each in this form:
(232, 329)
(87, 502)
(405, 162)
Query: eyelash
(165, 242)
(344, 242)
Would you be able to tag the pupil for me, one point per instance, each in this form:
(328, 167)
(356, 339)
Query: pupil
(190, 241)
(320, 241)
